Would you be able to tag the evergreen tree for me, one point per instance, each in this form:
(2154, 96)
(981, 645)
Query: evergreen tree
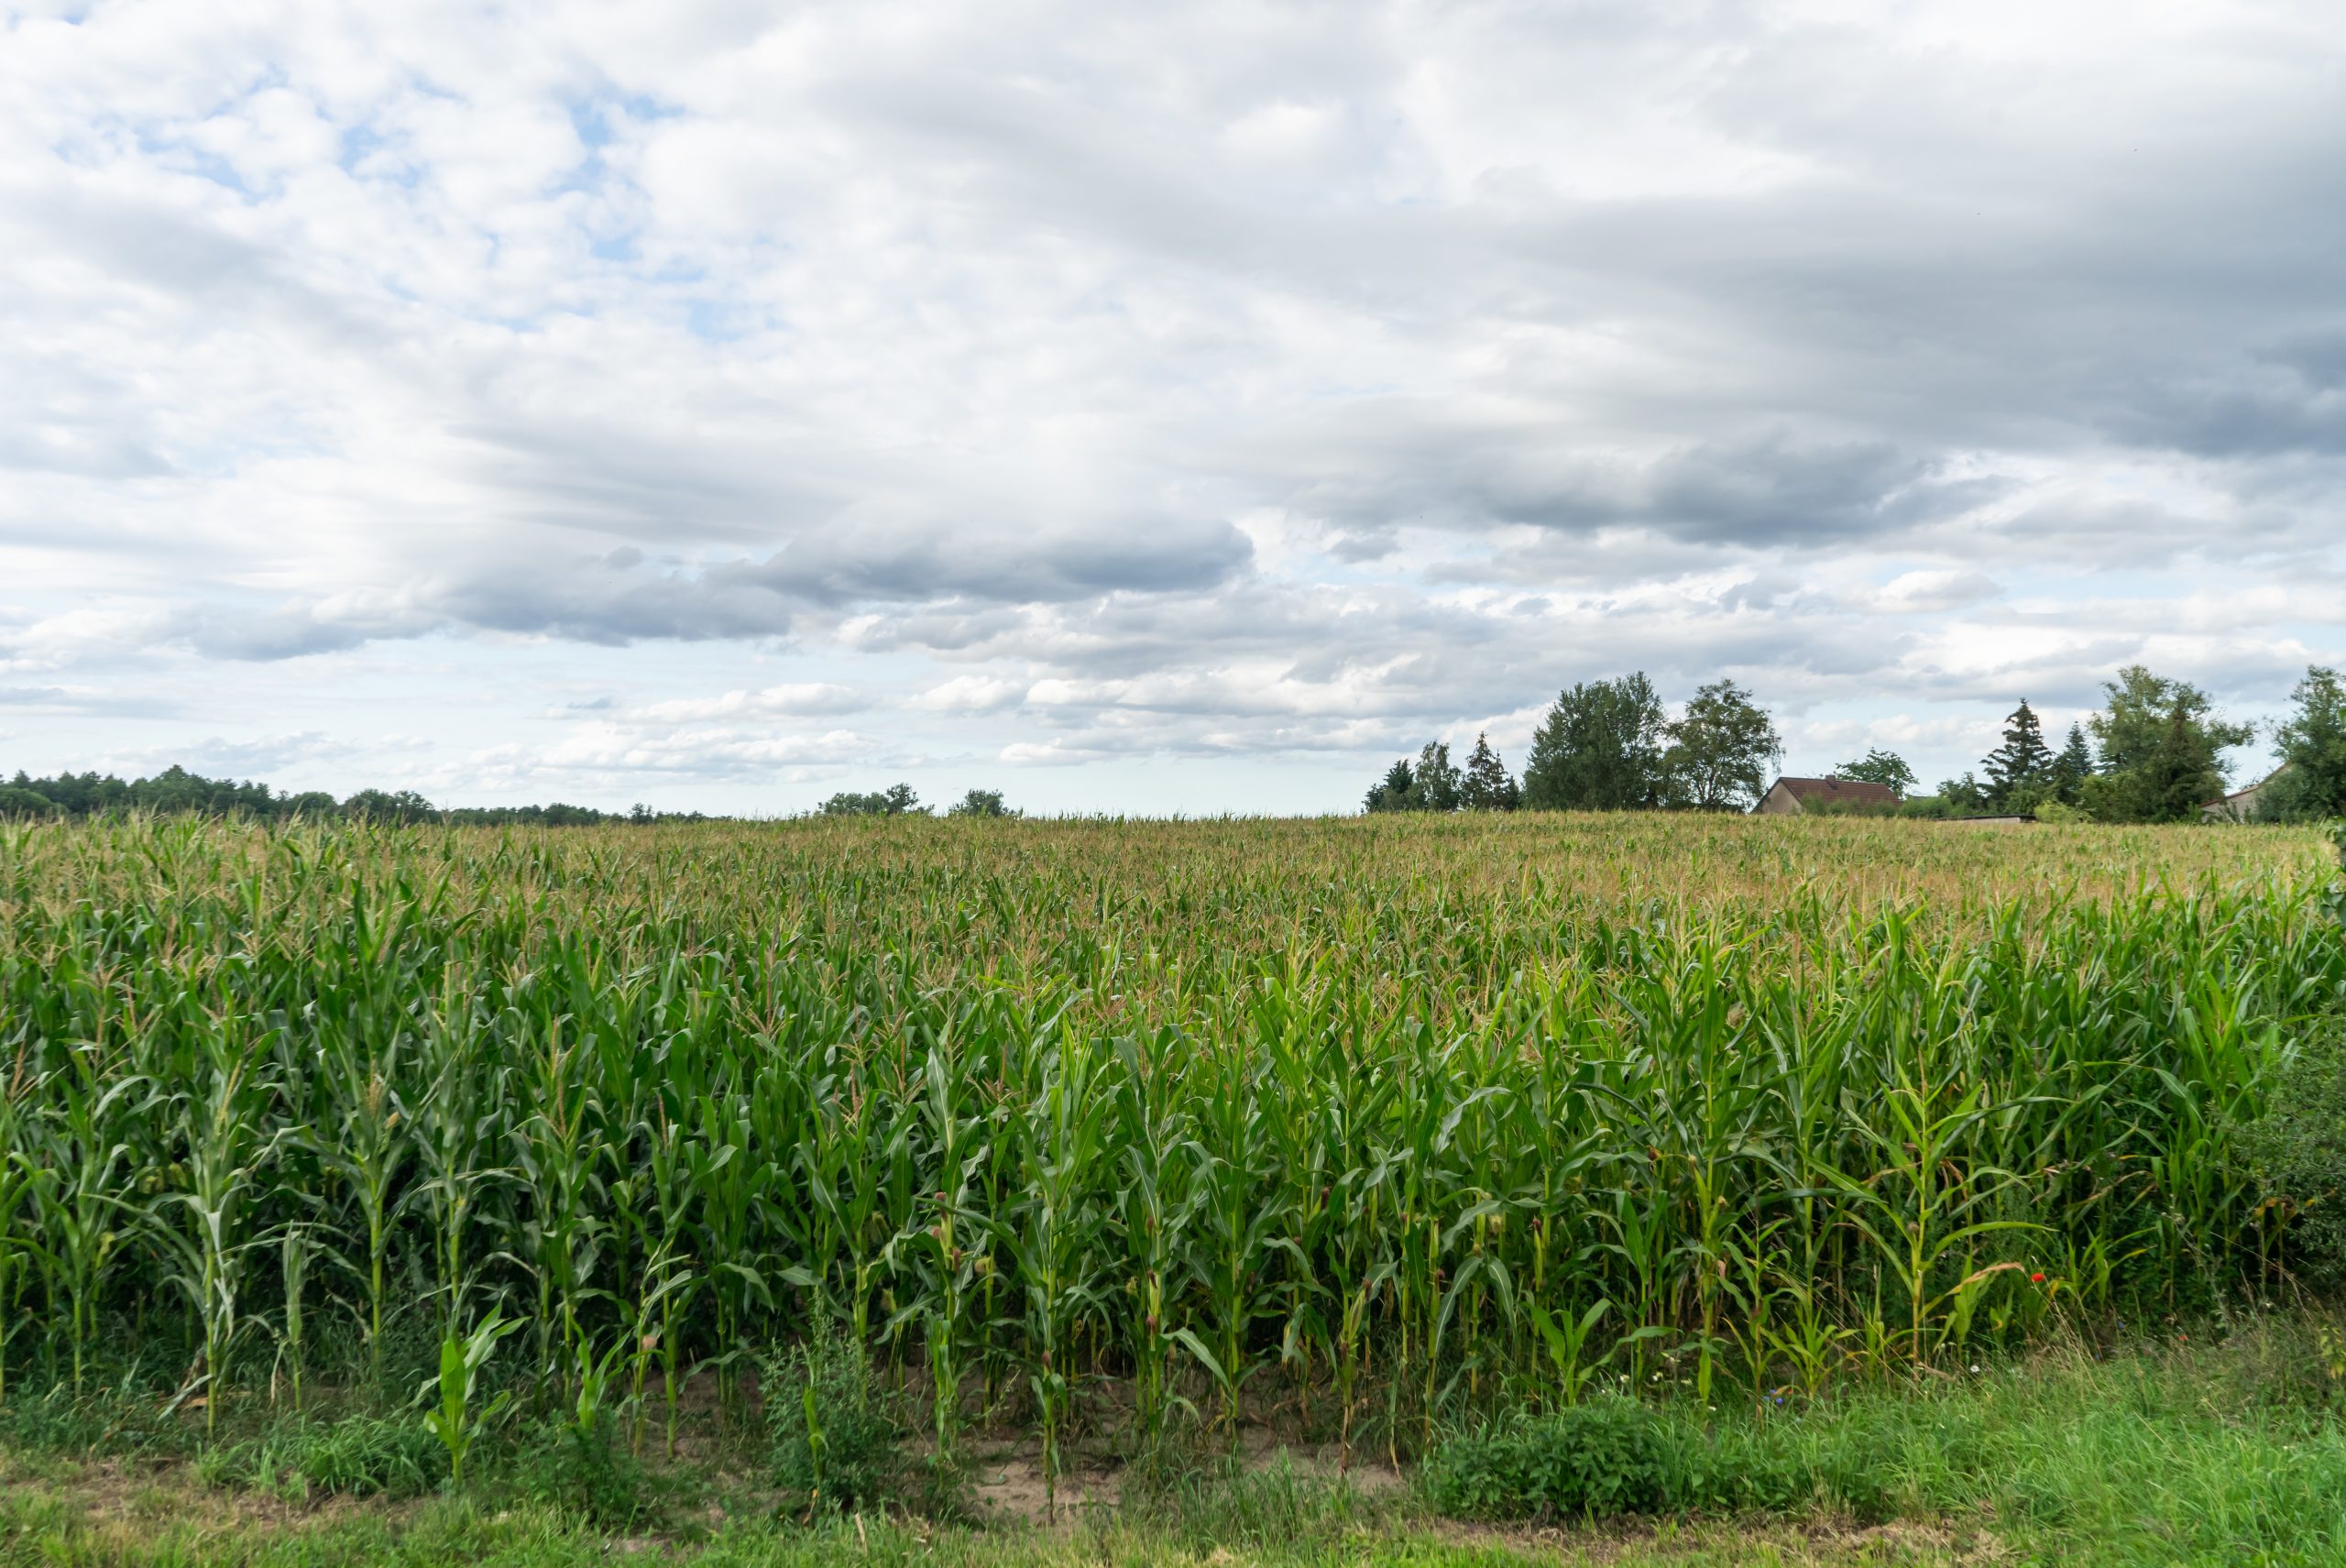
(2019, 770)
(1489, 787)
(2072, 768)
(1392, 792)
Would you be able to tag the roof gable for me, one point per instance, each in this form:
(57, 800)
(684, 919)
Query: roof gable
(1854, 792)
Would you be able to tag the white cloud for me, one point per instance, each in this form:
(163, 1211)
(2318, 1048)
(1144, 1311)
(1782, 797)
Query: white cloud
(1253, 382)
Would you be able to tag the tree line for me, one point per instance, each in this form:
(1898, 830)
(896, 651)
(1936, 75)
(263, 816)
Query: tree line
(1605, 746)
(900, 800)
(177, 792)
(2154, 753)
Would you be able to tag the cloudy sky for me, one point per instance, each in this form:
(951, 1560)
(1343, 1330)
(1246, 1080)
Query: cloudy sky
(1145, 407)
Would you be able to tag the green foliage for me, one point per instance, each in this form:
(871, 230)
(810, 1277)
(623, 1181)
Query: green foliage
(125, 1419)
(1720, 751)
(1593, 1460)
(2020, 772)
(1488, 785)
(1961, 796)
(896, 800)
(1433, 784)
(2161, 748)
(1390, 793)
(354, 1455)
(1600, 748)
(177, 792)
(833, 1427)
(1878, 766)
(455, 1411)
(2298, 1150)
(2141, 1454)
(2071, 768)
(16, 800)
(1225, 1505)
(585, 1474)
(1256, 1115)
(395, 806)
(2310, 784)
(980, 802)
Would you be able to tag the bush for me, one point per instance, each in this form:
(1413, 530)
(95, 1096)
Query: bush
(2298, 1150)
(585, 1475)
(834, 1431)
(1591, 1461)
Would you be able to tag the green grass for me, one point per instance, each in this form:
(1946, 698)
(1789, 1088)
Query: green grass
(2231, 1453)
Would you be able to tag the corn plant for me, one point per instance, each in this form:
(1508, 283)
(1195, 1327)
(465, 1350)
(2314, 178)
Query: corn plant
(1294, 1120)
(454, 1411)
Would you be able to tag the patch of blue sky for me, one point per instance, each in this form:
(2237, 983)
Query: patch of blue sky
(368, 154)
(714, 321)
(595, 116)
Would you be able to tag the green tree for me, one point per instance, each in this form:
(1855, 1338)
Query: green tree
(1963, 796)
(1431, 783)
(1720, 751)
(1392, 792)
(1489, 787)
(18, 801)
(896, 800)
(1600, 748)
(387, 806)
(1881, 767)
(1439, 785)
(980, 802)
(2310, 784)
(2020, 770)
(2162, 751)
(2072, 768)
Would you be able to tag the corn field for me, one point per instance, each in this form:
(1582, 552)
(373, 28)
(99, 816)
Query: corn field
(1139, 1126)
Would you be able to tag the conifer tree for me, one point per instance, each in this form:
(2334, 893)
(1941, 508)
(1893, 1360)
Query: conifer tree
(2018, 770)
(1489, 787)
(2072, 768)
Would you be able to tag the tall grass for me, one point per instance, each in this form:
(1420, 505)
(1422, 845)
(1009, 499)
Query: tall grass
(1359, 1121)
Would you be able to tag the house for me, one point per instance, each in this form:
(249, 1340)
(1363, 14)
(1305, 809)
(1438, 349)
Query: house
(2241, 804)
(1792, 797)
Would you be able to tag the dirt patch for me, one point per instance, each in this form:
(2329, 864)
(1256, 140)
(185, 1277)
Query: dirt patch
(1818, 1543)
(130, 1498)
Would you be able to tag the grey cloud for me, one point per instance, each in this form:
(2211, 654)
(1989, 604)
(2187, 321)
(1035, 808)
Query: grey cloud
(86, 702)
(1576, 338)
(622, 596)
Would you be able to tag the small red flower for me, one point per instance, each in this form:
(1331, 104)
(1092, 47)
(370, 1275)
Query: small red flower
(2036, 1279)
